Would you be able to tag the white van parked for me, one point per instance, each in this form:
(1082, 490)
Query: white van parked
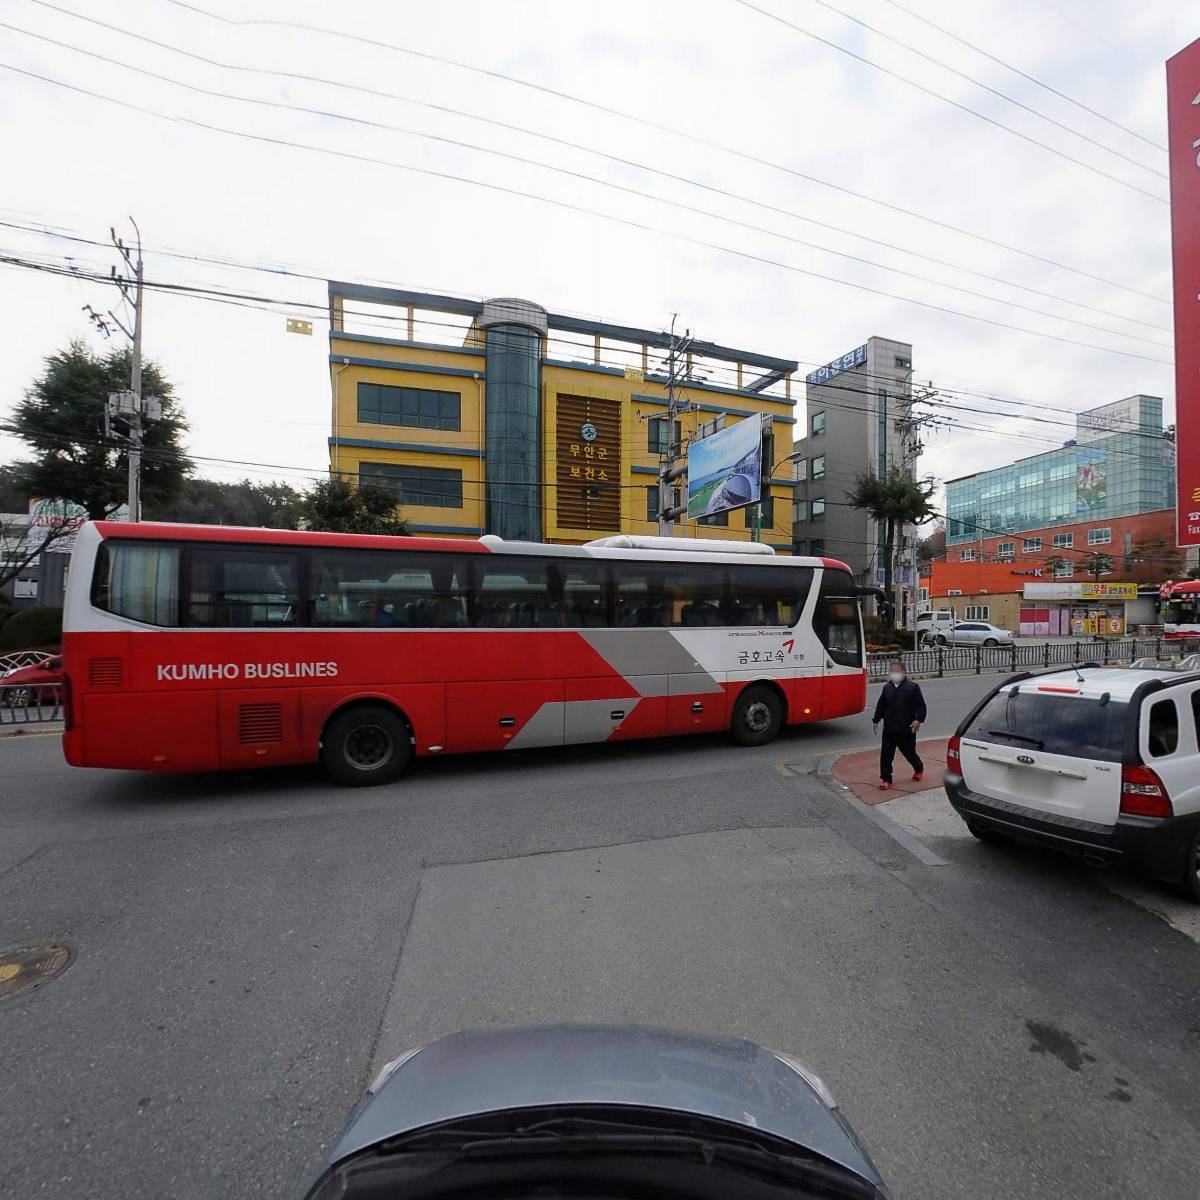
(1102, 762)
(932, 622)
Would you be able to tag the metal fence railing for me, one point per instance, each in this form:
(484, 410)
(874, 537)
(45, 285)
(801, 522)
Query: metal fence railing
(30, 704)
(938, 661)
(22, 658)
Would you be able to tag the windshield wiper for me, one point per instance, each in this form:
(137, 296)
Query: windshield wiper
(1017, 737)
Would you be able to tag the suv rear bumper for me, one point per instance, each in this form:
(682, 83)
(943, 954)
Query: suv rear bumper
(1157, 845)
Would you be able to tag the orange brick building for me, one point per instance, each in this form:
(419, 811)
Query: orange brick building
(985, 580)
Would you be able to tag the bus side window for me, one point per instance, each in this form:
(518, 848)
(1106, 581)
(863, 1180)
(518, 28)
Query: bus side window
(138, 580)
(387, 589)
(513, 592)
(768, 595)
(643, 594)
(583, 586)
(698, 595)
(231, 587)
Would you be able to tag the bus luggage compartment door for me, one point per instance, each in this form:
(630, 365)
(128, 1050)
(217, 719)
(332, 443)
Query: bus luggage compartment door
(696, 703)
(516, 714)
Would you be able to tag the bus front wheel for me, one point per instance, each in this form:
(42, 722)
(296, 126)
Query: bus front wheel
(366, 745)
(757, 716)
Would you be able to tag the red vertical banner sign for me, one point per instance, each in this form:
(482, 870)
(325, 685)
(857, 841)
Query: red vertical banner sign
(1183, 135)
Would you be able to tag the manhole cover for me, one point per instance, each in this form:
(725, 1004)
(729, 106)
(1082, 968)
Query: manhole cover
(31, 966)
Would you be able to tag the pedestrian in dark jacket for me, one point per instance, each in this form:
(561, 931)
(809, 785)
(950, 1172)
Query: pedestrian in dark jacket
(901, 708)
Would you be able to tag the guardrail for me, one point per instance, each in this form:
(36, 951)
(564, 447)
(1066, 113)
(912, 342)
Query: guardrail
(22, 658)
(939, 661)
(30, 704)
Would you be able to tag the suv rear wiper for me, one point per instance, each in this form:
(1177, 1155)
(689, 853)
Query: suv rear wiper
(1017, 737)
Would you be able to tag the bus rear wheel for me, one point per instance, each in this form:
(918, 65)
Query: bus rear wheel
(366, 745)
(757, 716)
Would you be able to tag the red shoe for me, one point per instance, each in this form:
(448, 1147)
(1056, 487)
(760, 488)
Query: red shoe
(918, 774)
(884, 785)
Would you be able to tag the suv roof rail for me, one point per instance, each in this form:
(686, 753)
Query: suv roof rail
(1085, 666)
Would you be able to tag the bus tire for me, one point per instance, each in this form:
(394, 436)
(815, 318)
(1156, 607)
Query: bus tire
(365, 745)
(757, 716)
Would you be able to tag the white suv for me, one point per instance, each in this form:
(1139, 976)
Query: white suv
(1101, 762)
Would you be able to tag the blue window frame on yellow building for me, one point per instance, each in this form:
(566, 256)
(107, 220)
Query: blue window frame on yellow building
(418, 408)
(437, 487)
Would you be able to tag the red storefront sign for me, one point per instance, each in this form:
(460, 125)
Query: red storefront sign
(1183, 128)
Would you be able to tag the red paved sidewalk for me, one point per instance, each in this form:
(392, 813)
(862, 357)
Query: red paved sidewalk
(860, 772)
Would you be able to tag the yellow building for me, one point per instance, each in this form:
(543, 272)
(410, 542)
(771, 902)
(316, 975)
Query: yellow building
(499, 417)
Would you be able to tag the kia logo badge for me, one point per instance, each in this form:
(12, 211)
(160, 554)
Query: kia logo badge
(1024, 758)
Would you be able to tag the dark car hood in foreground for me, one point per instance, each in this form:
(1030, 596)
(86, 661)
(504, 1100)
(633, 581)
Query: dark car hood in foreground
(722, 1079)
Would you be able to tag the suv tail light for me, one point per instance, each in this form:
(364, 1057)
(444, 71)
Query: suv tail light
(1143, 793)
(953, 759)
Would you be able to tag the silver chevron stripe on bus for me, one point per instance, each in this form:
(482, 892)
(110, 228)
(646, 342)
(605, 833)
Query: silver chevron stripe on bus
(646, 657)
(573, 721)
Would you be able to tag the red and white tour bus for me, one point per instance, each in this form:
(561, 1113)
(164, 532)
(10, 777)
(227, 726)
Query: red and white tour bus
(1181, 610)
(195, 648)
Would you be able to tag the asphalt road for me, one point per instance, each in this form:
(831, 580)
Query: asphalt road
(248, 947)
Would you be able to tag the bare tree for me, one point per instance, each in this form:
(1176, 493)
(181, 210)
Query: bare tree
(22, 543)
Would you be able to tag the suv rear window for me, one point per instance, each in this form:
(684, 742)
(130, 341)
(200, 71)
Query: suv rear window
(1054, 724)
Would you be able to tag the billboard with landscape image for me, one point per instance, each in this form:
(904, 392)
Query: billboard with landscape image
(725, 469)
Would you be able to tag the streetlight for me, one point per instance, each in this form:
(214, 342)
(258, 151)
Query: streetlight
(795, 454)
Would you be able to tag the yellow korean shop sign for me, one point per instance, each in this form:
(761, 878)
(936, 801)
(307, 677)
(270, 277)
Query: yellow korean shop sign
(1108, 591)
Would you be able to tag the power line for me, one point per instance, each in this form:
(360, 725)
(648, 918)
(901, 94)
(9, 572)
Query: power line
(559, 339)
(384, 320)
(622, 188)
(986, 87)
(249, 300)
(1025, 75)
(164, 455)
(645, 122)
(570, 207)
(953, 103)
(989, 432)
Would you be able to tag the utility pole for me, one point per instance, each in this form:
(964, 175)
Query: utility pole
(135, 384)
(669, 469)
(910, 426)
(131, 407)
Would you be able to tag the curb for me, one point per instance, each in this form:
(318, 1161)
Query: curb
(897, 833)
(33, 729)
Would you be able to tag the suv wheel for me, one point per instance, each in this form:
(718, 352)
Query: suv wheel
(989, 837)
(1190, 883)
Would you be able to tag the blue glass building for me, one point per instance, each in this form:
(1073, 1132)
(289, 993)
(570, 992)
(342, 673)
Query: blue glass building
(1119, 463)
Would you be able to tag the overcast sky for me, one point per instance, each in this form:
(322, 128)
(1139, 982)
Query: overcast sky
(714, 69)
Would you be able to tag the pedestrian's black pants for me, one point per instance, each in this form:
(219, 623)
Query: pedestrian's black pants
(906, 743)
